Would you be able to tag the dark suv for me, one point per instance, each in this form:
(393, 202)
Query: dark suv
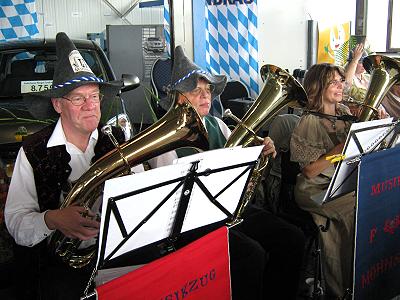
(28, 66)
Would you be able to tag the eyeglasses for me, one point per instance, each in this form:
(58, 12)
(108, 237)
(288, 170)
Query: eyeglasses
(336, 83)
(208, 90)
(79, 100)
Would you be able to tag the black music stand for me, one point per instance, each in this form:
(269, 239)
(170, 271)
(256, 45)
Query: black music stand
(171, 200)
(363, 138)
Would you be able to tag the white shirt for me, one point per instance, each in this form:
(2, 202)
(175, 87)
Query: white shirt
(23, 218)
(168, 157)
(362, 81)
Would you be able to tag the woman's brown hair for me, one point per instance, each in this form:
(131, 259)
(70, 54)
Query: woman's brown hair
(316, 81)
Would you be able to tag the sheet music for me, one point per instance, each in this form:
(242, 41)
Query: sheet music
(368, 138)
(133, 209)
(344, 179)
(200, 211)
(215, 182)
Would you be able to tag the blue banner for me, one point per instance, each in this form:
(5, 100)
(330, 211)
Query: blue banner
(231, 29)
(377, 251)
(18, 20)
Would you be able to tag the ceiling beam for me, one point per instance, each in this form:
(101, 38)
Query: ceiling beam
(134, 4)
(122, 16)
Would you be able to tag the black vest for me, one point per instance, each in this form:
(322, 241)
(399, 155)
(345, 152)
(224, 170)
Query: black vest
(51, 165)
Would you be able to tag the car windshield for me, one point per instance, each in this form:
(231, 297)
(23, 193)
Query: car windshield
(25, 72)
(153, 39)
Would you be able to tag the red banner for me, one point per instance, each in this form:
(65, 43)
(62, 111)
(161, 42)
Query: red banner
(198, 271)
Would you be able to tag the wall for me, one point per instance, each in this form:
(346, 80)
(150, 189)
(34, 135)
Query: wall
(282, 25)
(282, 34)
(77, 17)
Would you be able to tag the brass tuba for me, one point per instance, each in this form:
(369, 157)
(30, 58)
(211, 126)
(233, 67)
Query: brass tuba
(180, 127)
(280, 89)
(385, 72)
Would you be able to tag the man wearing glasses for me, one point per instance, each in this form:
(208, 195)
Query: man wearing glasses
(46, 167)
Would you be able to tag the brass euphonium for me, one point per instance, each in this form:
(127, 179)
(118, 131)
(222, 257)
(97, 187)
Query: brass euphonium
(280, 89)
(385, 72)
(180, 127)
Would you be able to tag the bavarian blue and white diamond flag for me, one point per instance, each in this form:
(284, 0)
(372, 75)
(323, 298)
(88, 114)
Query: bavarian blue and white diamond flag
(231, 40)
(18, 20)
(167, 24)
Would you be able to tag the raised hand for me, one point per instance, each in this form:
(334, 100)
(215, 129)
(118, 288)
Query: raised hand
(358, 51)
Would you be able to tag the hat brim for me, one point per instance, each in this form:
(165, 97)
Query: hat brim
(190, 83)
(62, 91)
(40, 106)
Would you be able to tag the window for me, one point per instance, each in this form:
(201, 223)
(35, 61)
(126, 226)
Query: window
(393, 40)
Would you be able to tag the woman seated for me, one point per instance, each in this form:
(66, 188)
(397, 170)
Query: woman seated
(320, 133)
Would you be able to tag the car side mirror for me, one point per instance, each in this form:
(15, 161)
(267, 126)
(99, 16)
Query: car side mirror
(130, 82)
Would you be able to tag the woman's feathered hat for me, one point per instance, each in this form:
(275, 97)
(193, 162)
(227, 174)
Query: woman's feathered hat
(185, 75)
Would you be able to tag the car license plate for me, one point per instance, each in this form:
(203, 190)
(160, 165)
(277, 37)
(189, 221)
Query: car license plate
(35, 86)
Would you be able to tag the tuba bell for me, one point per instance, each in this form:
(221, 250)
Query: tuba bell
(181, 126)
(280, 89)
(385, 72)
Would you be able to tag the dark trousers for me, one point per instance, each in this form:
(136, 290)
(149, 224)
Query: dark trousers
(284, 243)
(41, 276)
(59, 282)
(247, 261)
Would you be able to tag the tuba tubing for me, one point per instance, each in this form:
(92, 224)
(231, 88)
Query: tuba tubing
(385, 72)
(280, 89)
(180, 127)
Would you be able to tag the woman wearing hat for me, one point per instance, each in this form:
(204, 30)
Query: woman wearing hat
(283, 242)
(47, 164)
